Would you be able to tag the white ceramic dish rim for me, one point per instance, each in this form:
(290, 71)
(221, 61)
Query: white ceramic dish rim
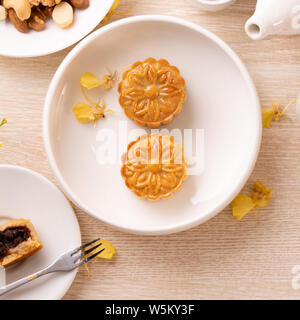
(216, 4)
(67, 44)
(69, 58)
(60, 293)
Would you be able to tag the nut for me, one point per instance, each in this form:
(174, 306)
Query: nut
(34, 2)
(46, 3)
(63, 14)
(80, 4)
(19, 24)
(3, 13)
(36, 23)
(40, 12)
(21, 7)
(50, 3)
(37, 20)
(47, 11)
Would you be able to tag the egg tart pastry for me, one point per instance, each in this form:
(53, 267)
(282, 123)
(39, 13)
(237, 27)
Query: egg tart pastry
(154, 166)
(152, 92)
(18, 241)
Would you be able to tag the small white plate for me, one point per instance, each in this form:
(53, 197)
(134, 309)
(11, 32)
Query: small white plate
(221, 101)
(26, 194)
(53, 38)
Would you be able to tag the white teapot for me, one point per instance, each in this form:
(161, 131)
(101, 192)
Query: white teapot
(272, 17)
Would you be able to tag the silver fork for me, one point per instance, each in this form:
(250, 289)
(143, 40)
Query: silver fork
(66, 262)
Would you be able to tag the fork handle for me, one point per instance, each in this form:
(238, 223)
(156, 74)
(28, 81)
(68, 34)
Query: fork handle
(23, 281)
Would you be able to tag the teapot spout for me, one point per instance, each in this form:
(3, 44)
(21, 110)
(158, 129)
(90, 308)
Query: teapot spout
(255, 28)
(280, 17)
(259, 25)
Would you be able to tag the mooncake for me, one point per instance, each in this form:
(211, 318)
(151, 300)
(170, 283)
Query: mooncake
(18, 241)
(154, 166)
(152, 92)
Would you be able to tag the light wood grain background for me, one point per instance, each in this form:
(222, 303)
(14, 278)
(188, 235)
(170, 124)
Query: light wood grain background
(223, 258)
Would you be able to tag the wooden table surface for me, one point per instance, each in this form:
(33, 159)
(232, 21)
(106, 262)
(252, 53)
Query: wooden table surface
(223, 258)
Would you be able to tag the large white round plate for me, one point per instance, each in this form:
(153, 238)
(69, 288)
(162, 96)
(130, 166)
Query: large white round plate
(53, 38)
(26, 194)
(221, 101)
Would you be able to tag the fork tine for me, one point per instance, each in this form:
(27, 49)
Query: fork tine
(78, 264)
(84, 253)
(84, 246)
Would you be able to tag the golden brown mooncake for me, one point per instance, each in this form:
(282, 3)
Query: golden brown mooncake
(18, 241)
(154, 166)
(152, 92)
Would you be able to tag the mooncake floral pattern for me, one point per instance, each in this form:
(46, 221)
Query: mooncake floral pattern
(154, 166)
(152, 92)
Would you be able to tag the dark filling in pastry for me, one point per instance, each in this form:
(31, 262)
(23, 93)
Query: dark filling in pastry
(11, 237)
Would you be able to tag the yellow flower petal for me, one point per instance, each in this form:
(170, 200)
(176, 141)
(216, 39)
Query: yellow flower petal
(262, 202)
(114, 6)
(89, 81)
(267, 117)
(83, 112)
(3, 122)
(274, 114)
(88, 273)
(241, 206)
(113, 12)
(109, 251)
(86, 113)
(110, 79)
(260, 188)
(261, 195)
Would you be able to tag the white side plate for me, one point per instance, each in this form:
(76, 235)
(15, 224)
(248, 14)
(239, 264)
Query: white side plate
(26, 194)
